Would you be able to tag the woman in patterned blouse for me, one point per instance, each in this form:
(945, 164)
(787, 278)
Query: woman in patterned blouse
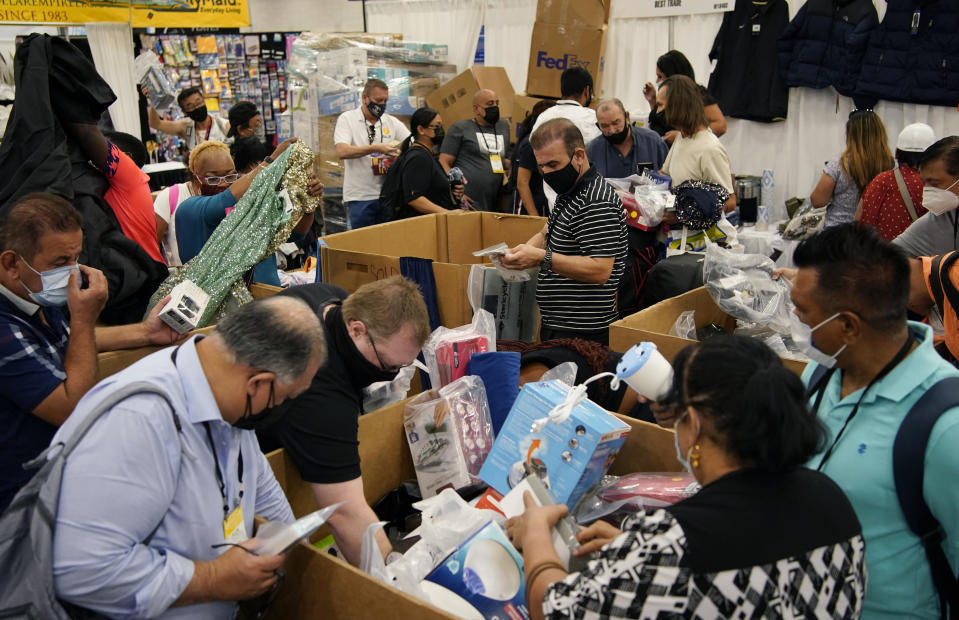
(764, 538)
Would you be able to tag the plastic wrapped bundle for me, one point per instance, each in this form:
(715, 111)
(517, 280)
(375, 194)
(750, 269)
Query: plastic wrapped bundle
(450, 433)
(635, 492)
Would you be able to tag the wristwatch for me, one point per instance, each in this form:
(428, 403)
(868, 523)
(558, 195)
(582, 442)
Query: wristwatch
(268, 160)
(547, 263)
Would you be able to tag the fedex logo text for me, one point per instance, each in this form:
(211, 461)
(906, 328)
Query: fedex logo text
(561, 64)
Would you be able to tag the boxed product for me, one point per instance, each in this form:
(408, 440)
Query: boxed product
(484, 576)
(415, 51)
(557, 47)
(454, 99)
(449, 433)
(652, 324)
(570, 454)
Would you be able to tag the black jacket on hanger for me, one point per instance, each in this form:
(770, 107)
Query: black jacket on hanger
(746, 80)
(57, 84)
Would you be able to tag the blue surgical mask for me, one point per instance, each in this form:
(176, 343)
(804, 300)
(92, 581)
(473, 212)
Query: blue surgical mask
(802, 338)
(55, 284)
(682, 458)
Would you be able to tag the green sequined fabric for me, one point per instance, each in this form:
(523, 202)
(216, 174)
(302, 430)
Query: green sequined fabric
(257, 226)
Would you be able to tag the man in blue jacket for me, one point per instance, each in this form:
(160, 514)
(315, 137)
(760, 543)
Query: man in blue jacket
(623, 149)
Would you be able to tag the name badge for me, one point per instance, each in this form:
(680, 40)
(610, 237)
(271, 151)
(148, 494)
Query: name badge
(497, 163)
(234, 529)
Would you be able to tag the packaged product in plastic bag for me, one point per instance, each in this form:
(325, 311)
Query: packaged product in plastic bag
(495, 254)
(512, 303)
(450, 433)
(742, 286)
(448, 350)
(635, 492)
(685, 326)
(150, 75)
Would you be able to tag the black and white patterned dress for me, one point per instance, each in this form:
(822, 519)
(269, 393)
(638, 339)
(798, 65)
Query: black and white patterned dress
(749, 545)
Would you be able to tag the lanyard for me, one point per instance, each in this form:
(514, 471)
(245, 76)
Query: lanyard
(216, 462)
(219, 473)
(882, 373)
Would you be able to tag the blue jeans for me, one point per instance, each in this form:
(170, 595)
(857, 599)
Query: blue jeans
(364, 213)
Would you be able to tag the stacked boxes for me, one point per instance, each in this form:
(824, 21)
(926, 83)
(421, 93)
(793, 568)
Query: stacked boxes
(567, 33)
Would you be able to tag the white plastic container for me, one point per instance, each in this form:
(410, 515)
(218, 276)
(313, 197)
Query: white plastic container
(644, 369)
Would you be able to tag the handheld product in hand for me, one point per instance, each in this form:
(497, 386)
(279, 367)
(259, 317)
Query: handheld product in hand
(187, 304)
(644, 369)
(273, 538)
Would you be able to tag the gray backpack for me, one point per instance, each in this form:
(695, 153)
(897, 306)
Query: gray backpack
(26, 527)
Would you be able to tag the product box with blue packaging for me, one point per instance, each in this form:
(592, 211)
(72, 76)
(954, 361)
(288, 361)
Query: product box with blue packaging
(570, 454)
(482, 578)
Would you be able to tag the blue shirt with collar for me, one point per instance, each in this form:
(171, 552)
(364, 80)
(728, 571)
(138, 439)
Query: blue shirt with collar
(612, 164)
(133, 471)
(31, 368)
(900, 582)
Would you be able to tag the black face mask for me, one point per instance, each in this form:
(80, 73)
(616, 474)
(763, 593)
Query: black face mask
(376, 109)
(491, 114)
(199, 114)
(248, 421)
(562, 180)
(619, 137)
(360, 370)
(438, 135)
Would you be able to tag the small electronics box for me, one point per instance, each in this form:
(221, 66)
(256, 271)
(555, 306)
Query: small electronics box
(482, 578)
(569, 456)
(452, 356)
(187, 304)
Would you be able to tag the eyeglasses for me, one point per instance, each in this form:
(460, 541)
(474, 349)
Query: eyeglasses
(383, 366)
(227, 178)
(371, 132)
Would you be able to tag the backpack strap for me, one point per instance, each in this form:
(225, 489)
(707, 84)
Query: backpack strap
(174, 195)
(817, 380)
(946, 283)
(904, 192)
(935, 280)
(908, 465)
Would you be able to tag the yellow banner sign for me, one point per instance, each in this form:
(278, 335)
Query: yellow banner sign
(140, 13)
(190, 13)
(64, 11)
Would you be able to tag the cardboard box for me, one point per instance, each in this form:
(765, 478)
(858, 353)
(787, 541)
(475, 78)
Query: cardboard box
(353, 258)
(454, 99)
(318, 584)
(557, 47)
(653, 324)
(571, 455)
(522, 105)
(589, 13)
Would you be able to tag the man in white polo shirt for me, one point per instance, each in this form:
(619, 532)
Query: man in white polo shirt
(367, 139)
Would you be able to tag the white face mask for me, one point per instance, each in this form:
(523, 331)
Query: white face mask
(938, 201)
(55, 285)
(683, 459)
(802, 338)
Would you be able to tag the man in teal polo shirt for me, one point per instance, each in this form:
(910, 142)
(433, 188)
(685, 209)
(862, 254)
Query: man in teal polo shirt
(851, 290)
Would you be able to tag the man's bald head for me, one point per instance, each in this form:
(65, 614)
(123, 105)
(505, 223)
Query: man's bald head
(483, 96)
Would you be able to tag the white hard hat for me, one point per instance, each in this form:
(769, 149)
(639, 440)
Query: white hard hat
(915, 138)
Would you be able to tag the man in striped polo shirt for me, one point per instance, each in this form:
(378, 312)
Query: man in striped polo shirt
(581, 250)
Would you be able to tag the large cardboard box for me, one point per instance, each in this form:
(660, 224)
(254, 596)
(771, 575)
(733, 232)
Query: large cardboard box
(653, 324)
(593, 13)
(556, 47)
(353, 258)
(319, 585)
(454, 99)
(522, 105)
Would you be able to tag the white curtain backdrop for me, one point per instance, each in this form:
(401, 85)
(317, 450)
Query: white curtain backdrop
(456, 23)
(507, 44)
(112, 47)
